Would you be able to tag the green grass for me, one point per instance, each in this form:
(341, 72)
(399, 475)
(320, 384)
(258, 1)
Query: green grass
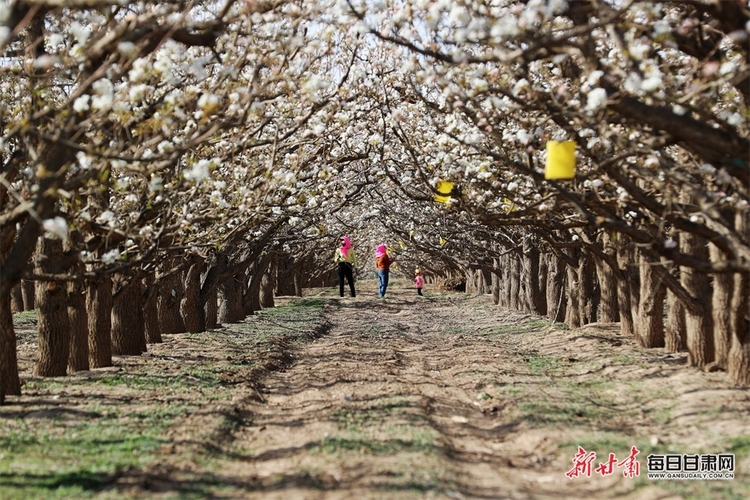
(25, 317)
(71, 436)
(421, 441)
(58, 460)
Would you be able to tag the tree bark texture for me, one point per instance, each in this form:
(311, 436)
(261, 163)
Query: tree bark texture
(573, 308)
(191, 308)
(99, 310)
(10, 383)
(675, 336)
(28, 291)
(151, 310)
(556, 301)
(699, 327)
(721, 309)
(537, 303)
(627, 288)
(52, 312)
(128, 324)
(16, 298)
(79, 328)
(169, 297)
(211, 309)
(232, 308)
(649, 331)
(609, 311)
(739, 352)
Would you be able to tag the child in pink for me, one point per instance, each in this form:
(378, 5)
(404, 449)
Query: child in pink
(419, 281)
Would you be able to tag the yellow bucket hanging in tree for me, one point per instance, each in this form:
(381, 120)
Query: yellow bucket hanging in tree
(444, 189)
(561, 160)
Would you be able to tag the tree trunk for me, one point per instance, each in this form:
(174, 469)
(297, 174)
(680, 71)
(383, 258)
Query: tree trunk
(504, 281)
(169, 297)
(28, 290)
(52, 312)
(79, 328)
(700, 342)
(627, 288)
(151, 310)
(232, 309)
(99, 309)
(573, 312)
(16, 299)
(650, 319)
(721, 307)
(675, 332)
(608, 305)
(211, 309)
(495, 282)
(191, 308)
(128, 329)
(588, 291)
(10, 383)
(543, 270)
(739, 352)
(265, 295)
(516, 302)
(536, 302)
(555, 288)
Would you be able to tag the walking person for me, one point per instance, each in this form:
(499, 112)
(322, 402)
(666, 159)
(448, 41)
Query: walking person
(347, 262)
(419, 281)
(383, 263)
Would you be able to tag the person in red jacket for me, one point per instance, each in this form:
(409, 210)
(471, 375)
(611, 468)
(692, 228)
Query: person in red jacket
(383, 263)
(419, 281)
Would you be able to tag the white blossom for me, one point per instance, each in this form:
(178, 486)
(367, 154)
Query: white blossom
(56, 228)
(111, 256)
(597, 99)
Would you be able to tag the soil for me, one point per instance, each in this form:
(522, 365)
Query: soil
(442, 396)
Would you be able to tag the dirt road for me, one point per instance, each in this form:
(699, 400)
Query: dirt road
(446, 396)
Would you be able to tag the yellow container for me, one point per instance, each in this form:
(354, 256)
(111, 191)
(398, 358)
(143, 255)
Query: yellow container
(444, 189)
(561, 160)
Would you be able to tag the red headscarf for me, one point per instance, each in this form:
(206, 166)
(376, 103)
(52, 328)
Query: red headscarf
(345, 247)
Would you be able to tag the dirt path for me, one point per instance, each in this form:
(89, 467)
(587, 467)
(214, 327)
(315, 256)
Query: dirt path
(449, 397)
(444, 396)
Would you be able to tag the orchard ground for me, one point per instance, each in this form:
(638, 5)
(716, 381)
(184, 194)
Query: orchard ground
(442, 396)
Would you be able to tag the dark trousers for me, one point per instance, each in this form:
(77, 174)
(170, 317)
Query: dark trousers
(419, 291)
(346, 270)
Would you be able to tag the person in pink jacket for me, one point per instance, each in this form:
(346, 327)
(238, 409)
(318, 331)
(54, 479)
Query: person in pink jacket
(419, 281)
(383, 263)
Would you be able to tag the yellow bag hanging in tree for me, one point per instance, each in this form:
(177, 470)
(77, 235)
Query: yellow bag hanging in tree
(561, 160)
(444, 189)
